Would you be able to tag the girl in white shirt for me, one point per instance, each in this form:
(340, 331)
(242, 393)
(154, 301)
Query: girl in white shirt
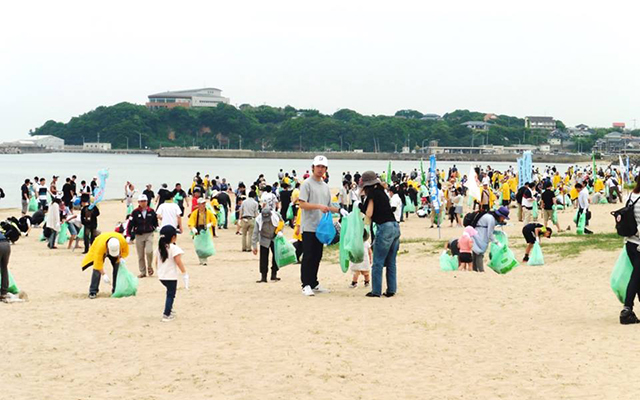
(168, 261)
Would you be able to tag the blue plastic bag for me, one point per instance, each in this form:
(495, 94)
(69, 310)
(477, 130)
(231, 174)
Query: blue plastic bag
(325, 232)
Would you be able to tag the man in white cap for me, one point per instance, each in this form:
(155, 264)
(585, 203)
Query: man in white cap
(144, 222)
(315, 200)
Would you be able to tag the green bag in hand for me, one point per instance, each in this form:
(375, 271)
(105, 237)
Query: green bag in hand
(203, 243)
(80, 234)
(33, 204)
(221, 218)
(232, 218)
(129, 209)
(343, 253)
(534, 210)
(289, 214)
(621, 275)
(502, 259)
(501, 237)
(448, 262)
(409, 206)
(582, 223)
(536, 258)
(554, 215)
(63, 236)
(353, 237)
(126, 282)
(285, 253)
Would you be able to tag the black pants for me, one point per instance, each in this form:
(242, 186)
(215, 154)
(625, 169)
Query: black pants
(226, 216)
(171, 286)
(298, 246)
(5, 253)
(587, 216)
(311, 255)
(264, 260)
(94, 288)
(633, 289)
(89, 237)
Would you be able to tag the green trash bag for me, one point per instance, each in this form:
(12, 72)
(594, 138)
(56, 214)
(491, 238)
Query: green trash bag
(33, 204)
(42, 237)
(582, 223)
(534, 211)
(502, 259)
(63, 235)
(409, 207)
(343, 255)
(232, 218)
(126, 282)
(289, 214)
(448, 262)
(559, 207)
(603, 200)
(620, 275)
(501, 237)
(80, 234)
(129, 209)
(221, 218)
(13, 288)
(203, 243)
(554, 215)
(536, 258)
(353, 236)
(285, 253)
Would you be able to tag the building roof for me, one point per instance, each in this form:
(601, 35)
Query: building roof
(480, 123)
(613, 135)
(540, 119)
(184, 94)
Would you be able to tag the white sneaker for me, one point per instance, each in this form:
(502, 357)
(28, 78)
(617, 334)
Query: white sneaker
(307, 291)
(320, 289)
(11, 298)
(168, 318)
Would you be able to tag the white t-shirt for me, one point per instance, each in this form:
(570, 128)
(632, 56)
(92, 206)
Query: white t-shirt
(365, 265)
(168, 269)
(269, 199)
(583, 198)
(397, 203)
(170, 212)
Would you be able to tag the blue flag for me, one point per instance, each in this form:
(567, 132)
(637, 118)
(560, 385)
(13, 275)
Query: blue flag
(433, 184)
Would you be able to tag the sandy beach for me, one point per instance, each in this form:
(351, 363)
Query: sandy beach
(538, 332)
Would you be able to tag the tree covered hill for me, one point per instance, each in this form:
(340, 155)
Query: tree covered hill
(282, 129)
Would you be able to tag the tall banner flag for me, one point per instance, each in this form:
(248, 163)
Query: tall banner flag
(389, 173)
(433, 184)
(103, 174)
(628, 171)
(423, 176)
(521, 179)
(472, 184)
(527, 166)
(593, 160)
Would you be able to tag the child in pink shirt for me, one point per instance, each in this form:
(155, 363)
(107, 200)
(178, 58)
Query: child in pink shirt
(465, 244)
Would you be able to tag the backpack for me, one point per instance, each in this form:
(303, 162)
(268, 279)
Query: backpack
(472, 218)
(626, 224)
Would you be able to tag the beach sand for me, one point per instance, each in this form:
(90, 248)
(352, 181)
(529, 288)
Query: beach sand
(538, 332)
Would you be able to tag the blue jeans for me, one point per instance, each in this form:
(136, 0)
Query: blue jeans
(171, 295)
(385, 249)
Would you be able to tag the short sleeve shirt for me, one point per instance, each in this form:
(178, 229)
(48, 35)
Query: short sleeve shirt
(168, 269)
(313, 192)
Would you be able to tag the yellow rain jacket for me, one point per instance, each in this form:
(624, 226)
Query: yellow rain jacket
(209, 219)
(98, 250)
(598, 185)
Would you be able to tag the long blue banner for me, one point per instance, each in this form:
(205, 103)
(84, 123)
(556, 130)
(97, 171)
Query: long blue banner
(433, 184)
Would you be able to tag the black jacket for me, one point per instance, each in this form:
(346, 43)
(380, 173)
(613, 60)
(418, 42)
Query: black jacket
(89, 218)
(140, 225)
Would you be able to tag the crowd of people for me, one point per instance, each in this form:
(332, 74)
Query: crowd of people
(479, 201)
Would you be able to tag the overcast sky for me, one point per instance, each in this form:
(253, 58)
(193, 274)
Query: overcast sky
(578, 61)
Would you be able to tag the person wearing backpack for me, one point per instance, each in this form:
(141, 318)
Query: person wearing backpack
(627, 221)
(267, 226)
(485, 225)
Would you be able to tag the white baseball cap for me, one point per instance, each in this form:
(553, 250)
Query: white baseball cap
(113, 247)
(143, 197)
(201, 200)
(320, 160)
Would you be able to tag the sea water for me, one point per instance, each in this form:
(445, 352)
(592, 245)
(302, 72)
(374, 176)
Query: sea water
(143, 169)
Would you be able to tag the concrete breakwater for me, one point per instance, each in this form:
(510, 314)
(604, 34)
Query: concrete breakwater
(250, 154)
